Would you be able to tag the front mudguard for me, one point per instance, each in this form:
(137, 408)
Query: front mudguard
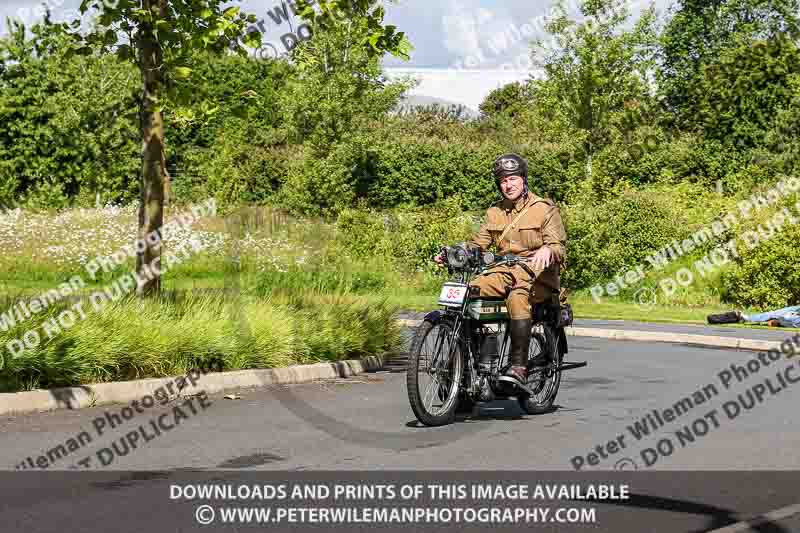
(434, 317)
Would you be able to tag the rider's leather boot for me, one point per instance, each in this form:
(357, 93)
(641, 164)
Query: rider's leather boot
(520, 332)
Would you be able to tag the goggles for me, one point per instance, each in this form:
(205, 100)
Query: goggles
(506, 164)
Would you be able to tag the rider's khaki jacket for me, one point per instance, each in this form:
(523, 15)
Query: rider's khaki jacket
(541, 225)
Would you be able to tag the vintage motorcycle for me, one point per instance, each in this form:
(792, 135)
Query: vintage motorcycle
(459, 354)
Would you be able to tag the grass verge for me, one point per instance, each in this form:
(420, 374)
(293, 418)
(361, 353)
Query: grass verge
(132, 339)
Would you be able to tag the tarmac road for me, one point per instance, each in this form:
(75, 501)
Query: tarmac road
(366, 424)
(300, 427)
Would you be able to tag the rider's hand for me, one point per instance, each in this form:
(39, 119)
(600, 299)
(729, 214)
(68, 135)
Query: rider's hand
(439, 259)
(542, 259)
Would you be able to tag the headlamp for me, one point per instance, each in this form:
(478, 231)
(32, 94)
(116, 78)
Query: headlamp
(457, 256)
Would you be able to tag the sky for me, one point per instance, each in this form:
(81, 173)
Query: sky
(464, 49)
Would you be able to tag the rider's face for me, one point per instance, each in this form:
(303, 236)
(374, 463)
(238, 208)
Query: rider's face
(512, 187)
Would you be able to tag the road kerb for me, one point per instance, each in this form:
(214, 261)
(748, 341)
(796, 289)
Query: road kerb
(128, 391)
(709, 341)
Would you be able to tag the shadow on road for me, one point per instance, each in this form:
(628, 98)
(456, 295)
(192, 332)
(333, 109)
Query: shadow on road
(497, 410)
(718, 517)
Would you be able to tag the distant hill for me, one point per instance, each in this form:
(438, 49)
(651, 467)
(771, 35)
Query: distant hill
(408, 103)
(464, 86)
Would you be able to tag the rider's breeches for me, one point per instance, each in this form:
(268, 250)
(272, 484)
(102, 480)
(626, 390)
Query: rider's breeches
(517, 286)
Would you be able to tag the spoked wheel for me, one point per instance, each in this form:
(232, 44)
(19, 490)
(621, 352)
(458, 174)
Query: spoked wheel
(544, 359)
(432, 378)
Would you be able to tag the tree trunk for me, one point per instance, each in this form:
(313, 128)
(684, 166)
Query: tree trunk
(589, 166)
(167, 178)
(151, 207)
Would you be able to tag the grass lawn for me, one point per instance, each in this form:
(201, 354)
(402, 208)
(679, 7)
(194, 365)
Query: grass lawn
(133, 339)
(279, 254)
(585, 307)
(412, 299)
(304, 299)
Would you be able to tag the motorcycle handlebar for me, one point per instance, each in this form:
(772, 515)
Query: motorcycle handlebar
(511, 259)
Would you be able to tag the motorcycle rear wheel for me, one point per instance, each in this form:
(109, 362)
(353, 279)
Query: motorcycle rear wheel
(544, 380)
(427, 359)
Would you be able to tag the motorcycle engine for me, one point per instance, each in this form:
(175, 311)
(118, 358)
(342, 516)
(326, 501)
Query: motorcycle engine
(488, 359)
(489, 351)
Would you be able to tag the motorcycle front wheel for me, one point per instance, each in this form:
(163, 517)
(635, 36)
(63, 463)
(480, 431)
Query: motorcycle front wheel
(433, 374)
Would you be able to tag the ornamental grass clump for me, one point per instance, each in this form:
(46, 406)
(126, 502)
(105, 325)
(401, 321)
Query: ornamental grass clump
(132, 338)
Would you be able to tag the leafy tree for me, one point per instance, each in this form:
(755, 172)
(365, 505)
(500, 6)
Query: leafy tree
(161, 37)
(508, 99)
(727, 67)
(239, 149)
(338, 95)
(339, 84)
(436, 112)
(595, 67)
(736, 98)
(700, 30)
(783, 139)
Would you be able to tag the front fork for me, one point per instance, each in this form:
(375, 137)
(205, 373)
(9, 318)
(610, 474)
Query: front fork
(455, 338)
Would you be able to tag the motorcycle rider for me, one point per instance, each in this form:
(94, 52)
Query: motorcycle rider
(529, 226)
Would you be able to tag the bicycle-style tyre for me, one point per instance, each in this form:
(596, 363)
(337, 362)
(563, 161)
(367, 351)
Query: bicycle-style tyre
(432, 382)
(544, 380)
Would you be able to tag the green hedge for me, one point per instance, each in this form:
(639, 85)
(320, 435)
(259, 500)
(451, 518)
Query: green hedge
(766, 276)
(69, 130)
(408, 240)
(608, 238)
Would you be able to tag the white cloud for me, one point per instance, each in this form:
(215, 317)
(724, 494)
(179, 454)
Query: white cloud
(443, 33)
(471, 29)
(460, 29)
(486, 40)
(484, 43)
